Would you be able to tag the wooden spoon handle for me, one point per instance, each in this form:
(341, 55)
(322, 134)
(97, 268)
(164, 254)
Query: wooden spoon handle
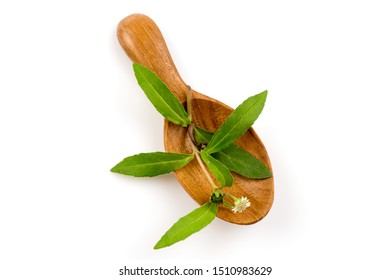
(143, 42)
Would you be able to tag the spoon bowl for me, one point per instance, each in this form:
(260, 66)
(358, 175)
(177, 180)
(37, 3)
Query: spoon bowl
(143, 42)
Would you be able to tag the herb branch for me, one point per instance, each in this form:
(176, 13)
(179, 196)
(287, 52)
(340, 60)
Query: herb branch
(215, 153)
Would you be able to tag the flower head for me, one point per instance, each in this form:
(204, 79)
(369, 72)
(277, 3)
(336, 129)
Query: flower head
(240, 204)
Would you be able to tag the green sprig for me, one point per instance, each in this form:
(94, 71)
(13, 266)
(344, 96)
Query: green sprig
(216, 150)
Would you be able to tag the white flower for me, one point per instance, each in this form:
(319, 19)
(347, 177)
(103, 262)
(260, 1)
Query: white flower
(240, 204)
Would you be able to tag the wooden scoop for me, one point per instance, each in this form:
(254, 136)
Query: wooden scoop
(143, 42)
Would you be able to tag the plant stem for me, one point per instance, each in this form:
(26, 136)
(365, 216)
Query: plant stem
(202, 166)
(190, 133)
(231, 196)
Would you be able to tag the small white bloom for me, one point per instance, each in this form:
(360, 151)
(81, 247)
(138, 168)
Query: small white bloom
(241, 204)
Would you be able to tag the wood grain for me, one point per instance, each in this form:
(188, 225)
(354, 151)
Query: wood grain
(143, 42)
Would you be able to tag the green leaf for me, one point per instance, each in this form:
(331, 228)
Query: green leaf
(188, 225)
(202, 136)
(242, 162)
(160, 96)
(238, 122)
(152, 164)
(220, 171)
(235, 158)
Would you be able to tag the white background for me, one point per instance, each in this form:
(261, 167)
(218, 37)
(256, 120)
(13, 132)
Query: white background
(70, 109)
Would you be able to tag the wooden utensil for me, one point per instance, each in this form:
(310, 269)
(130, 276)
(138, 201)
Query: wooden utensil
(143, 42)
